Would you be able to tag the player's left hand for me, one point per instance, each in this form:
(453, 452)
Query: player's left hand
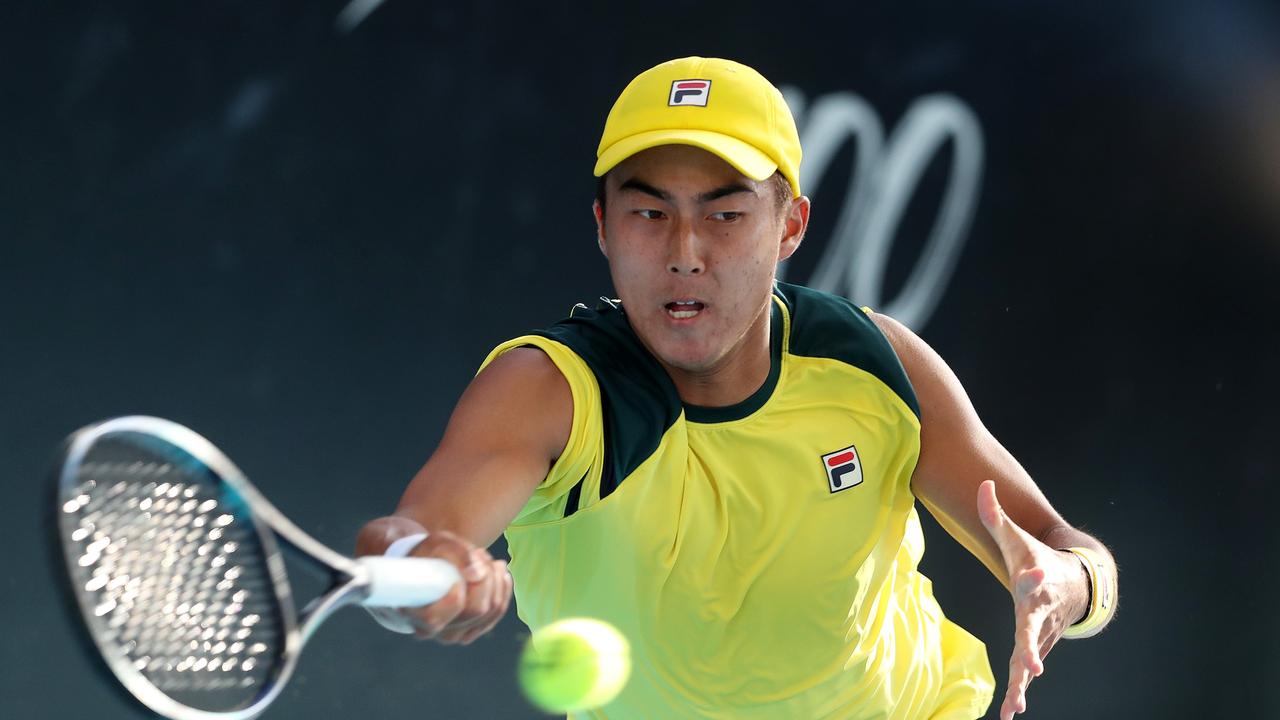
(1048, 596)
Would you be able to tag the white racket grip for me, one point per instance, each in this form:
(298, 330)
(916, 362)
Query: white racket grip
(407, 582)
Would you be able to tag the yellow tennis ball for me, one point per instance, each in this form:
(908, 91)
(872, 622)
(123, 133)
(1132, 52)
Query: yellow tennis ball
(574, 664)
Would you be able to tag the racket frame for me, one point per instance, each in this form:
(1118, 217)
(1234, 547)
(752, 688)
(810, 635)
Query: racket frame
(350, 580)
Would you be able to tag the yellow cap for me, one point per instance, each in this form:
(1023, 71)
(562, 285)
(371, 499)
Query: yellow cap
(721, 106)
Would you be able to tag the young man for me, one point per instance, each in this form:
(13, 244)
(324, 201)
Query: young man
(726, 467)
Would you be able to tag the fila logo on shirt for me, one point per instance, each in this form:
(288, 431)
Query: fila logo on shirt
(690, 92)
(844, 469)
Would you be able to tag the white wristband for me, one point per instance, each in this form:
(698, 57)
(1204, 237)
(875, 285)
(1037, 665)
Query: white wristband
(393, 619)
(405, 545)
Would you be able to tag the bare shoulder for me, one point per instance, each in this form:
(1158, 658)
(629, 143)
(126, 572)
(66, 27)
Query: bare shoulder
(944, 404)
(912, 350)
(888, 325)
(525, 394)
(525, 365)
(511, 423)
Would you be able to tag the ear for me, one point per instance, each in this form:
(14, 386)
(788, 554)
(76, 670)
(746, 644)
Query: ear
(599, 213)
(793, 226)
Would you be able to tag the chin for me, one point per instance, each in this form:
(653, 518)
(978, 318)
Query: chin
(687, 365)
(686, 358)
(688, 349)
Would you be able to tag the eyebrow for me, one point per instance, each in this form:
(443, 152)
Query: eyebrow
(644, 187)
(724, 190)
(732, 188)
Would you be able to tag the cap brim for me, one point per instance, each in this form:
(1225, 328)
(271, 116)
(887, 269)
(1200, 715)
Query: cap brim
(745, 158)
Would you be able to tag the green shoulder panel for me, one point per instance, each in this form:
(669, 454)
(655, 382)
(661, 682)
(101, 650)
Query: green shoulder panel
(638, 401)
(829, 326)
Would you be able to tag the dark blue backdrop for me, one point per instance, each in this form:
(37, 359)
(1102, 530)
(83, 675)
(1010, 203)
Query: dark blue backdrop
(302, 242)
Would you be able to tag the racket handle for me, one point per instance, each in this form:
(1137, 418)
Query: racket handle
(407, 582)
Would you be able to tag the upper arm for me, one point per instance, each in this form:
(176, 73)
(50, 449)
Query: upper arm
(957, 453)
(507, 430)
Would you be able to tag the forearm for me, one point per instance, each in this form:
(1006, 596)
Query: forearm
(509, 427)
(475, 497)
(467, 502)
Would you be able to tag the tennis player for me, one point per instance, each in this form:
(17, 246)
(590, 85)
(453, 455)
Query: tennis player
(726, 467)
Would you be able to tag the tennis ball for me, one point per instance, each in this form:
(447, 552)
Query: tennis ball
(574, 664)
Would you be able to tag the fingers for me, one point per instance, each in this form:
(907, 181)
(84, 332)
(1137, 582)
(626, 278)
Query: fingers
(1037, 586)
(995, 521)
(1015, 700)
(989, 507)
(993, 517)
(1023, 667)
(500, 599)
(430, 620)
(487, 602)
(470, 608)
(1046, 645)
(1015, 543)
(1032, 613)
(1026, 649)
(1027, 660)
(463, 554)
(478, 605)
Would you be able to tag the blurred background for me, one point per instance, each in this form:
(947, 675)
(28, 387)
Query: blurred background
(299, 232)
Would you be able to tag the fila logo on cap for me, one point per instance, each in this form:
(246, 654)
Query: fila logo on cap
(689, 92)
(844, 469)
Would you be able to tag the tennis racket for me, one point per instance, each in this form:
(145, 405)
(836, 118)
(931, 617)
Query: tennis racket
(173, 559)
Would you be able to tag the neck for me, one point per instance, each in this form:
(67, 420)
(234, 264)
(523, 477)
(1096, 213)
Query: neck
(735, 376)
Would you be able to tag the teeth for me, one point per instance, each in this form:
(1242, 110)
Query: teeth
(683, 309)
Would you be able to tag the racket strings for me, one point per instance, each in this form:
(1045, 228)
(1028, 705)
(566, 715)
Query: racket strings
(175, 577)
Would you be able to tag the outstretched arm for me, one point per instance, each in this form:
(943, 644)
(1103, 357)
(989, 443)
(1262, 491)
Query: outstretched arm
(507, 430)
(1017, 535)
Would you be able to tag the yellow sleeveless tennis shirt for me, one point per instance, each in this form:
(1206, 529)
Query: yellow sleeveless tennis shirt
(760, 558)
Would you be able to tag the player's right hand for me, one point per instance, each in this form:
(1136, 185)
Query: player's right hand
(472, 607)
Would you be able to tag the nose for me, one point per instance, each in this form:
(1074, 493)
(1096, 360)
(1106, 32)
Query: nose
(684, 254)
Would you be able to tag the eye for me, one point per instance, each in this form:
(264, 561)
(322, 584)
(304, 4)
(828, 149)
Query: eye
(650, 214)
(726, 216)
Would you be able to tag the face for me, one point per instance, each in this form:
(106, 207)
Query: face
(693, 246)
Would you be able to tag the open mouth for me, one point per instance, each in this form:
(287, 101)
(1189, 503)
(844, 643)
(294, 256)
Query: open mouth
(684, 309)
